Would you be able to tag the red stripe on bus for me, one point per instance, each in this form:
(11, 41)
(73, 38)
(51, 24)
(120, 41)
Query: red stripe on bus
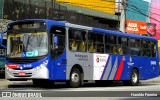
(12, 65)
(119, 71)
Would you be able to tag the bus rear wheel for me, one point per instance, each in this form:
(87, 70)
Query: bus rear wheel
(134, 78)
(75, 78)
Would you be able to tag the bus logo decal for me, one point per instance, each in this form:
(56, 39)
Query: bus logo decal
(23, 54)
(153, 62)
(130, 59)
(130, 63)
(97, 60)
(82, 57)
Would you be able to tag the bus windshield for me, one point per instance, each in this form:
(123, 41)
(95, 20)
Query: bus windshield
(27, 44)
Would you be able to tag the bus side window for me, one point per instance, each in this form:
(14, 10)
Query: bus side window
(100, 42)
(125, 47)
(119, 46)
(134, 47)
(83, 44)
(77, 40)
(111, 44)
(146, 48)
(91, 42)
(153, 49)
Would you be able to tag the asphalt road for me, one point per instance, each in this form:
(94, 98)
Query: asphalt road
(90, 91)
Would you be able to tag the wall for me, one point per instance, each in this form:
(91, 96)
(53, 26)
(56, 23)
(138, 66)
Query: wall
(155, 16)
(137, 10)
(107, 6)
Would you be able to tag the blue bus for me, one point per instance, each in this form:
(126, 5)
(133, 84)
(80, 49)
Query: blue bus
(3, 42)
(49, 50)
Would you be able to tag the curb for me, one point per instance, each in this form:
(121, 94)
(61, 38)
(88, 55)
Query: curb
(154, 80)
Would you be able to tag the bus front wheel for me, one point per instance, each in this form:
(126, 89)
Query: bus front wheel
(75, 78)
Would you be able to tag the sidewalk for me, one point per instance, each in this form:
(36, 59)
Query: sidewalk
(154, 80)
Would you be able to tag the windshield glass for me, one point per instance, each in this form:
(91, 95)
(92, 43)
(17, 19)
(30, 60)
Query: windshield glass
(27, 44)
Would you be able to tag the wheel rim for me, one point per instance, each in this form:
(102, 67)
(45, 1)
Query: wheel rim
(134, 77)
(75, 77)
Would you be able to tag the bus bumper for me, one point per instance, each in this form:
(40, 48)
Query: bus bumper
(11, 74)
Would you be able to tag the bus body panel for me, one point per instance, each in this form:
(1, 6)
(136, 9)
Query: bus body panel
(57, 67)
(84, 60)
(145, 69)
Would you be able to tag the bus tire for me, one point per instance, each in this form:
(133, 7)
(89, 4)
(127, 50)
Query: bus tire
(75, 78)
(134, 78)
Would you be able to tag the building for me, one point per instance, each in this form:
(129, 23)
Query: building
(98, 13)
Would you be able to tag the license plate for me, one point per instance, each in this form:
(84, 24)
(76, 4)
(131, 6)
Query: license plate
(22, 73)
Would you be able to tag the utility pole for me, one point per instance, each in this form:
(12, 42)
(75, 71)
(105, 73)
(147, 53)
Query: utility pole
(118, 13)
(123, 16)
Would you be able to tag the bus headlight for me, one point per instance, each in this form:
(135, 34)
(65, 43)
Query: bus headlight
(7, 68)
(41, 65)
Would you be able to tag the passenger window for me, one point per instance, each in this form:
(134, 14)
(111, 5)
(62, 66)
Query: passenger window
(125, 47)
(77, 40)
(153, 49)
(146, 48)
(111, 44)
(119, 46)
(95, 42)
(92, 42)
(124, 41)
(112, 39)
(100, 43)
(135, 47)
